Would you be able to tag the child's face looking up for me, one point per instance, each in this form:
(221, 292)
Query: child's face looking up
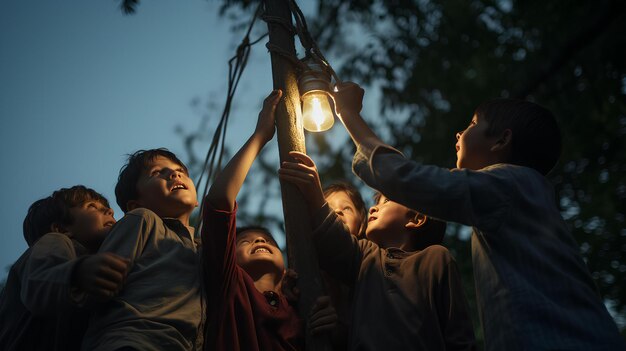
(386, 220)
(345, 209)
(165, 188)
(257, 253)
(92, 222)
(474, 147)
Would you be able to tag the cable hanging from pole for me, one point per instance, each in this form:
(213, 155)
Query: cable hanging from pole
(236, 66)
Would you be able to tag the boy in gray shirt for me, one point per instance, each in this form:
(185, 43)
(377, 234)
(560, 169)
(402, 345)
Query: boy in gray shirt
(159, 306)
(40, 307)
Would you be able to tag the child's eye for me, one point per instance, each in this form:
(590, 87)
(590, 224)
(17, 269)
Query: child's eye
(347, 209)
(155, 173)
(92, 206)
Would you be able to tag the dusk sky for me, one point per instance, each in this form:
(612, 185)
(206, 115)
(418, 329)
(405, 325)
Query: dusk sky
(82, 85)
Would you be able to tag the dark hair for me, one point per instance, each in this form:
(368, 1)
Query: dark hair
(429, 233)
(55, 209)
(536, 137)
(126, 187)
(357, 200)
(255, 228)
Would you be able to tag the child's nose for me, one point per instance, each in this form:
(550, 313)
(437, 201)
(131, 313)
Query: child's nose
(458, 135)
(260, 240)
(373, 209)
(175, 174)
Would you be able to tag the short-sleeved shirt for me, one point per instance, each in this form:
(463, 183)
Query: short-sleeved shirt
(401, 300)
(239, 316)
(37, 311)
(534, 291)
(159, 306)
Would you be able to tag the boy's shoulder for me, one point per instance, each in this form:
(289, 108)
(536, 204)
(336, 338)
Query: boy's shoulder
(437, 251)
(143, 213)
(511, 170)
(57, 239)
(139, 219)
(434, 258)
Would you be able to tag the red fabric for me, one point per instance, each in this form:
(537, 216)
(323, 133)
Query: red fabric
(238, 315)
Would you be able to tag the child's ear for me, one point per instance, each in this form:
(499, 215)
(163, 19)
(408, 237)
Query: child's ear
(416, 222)
(132, 204)
(504, 141)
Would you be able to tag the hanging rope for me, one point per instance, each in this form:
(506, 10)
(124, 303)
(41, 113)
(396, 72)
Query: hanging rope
(236, 66)
(307, 41)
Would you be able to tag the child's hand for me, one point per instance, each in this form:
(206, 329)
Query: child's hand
(303, 174)
(101, 275)
(265, 126)
(323, 317)
(348, 98)
(288, 286)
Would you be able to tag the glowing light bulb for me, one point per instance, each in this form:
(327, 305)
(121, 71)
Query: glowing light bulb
(317, 116)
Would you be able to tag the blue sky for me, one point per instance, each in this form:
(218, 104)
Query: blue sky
(82, 85)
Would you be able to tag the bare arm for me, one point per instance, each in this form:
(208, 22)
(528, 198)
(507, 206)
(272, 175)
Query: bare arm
(348, 102)
(224, 190)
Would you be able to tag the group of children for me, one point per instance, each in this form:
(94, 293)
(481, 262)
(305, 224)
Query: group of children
(149, 282)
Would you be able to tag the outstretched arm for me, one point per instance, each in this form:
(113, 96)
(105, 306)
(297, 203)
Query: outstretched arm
(224, 190)
(348, 103)
(338, 251)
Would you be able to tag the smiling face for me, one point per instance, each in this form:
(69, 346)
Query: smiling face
(345, 209)
(387, 222)
(165, 188)
(474, 149)
(258, 254)
(92, 221)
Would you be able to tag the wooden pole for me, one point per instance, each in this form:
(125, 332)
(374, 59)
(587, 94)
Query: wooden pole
(290, 134)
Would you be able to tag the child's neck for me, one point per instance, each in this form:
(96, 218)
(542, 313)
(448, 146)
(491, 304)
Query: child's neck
(401, 241)
(267, 282)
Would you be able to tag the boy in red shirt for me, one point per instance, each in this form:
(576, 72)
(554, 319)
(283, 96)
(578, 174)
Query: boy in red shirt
(243, 269)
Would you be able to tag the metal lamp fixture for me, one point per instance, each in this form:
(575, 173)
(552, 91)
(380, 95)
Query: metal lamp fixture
(314, 84)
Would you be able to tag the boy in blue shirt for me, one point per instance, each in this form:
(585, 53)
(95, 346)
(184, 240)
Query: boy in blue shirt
(533, 289)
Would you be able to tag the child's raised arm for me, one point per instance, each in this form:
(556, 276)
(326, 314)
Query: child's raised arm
(338, 251)
(224, 190)
(348, 103)
(303, 174)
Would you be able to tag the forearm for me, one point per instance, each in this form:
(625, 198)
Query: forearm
(359, 131)
(338, 251)
(224, 190)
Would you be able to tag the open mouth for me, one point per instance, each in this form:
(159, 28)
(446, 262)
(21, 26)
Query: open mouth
(109, 224)
(179, 186)
(458, 148)
(371, 219)
(261, 250)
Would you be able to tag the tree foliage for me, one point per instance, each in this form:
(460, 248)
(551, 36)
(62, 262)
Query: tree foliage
(433, 62)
